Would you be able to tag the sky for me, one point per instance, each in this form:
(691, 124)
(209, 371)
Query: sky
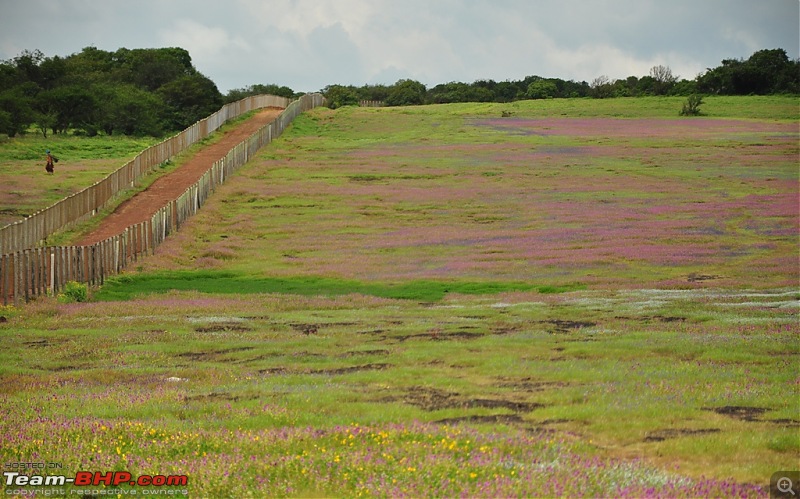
(309, 44)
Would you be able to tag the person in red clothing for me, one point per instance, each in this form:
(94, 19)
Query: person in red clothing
(49, 167)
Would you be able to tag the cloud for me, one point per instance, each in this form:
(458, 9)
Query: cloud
(204, 43)
(307, 44)
(302, 17)
(332, 52)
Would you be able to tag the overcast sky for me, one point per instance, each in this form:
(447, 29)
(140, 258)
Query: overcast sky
(308, 44)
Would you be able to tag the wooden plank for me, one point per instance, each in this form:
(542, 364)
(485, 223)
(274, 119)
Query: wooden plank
(4, 278)
(25, 275)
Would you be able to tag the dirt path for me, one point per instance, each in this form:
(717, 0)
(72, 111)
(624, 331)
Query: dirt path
(167, 188)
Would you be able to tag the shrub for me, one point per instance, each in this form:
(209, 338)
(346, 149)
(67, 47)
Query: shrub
(73, 292)
(692, 105)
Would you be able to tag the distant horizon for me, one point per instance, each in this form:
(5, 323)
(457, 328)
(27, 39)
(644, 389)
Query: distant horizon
(309, 44)
(389, 84)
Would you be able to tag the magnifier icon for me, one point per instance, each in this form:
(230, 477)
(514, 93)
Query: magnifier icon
(785, 485)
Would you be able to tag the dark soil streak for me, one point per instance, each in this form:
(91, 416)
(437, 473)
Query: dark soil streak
(661, 435)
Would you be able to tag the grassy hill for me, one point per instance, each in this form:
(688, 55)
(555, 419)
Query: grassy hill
(579, 297)
(460, 193)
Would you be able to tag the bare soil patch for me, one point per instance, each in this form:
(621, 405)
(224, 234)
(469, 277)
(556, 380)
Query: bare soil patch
(217, 397)
(224, 326)
(693, 277)
(356, 353)
(661, 435)
(560, 326)
(489, 418)
(280, 370)
(745, 413)
(212, 355)
(432, 399)
(531, 385)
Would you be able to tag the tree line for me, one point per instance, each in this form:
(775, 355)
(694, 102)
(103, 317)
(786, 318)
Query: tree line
(129, 91)
(158, 91)
(765, 72)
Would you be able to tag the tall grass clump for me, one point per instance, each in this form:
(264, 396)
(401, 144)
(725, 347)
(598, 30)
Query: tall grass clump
(73, 292)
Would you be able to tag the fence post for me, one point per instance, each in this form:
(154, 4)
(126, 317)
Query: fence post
(4, 276)
(25, 275)
(17, 277)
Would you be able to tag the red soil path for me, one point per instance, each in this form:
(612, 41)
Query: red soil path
(167, 188)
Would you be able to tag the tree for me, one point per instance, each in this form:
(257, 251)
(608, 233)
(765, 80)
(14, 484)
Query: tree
(8, 75)
(5, 121)
(129, 109)
(153, 68)
(374, 92)
(601, 87)
(189, 99)
(406, 93)
(258, 89)
(92, 65)
(52, 72)
(505, 91)
(765, 72)
(67, 107)
(340, 95)
(46, 120)
(684, 87)
(446, 93)
(459, 92)
(542, 89)
(663, 79)
(27, 66)
(572, 88)
(16, 105)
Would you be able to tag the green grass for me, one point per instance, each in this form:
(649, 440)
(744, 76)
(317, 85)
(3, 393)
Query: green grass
(128, 286)
(728, 107)
(567, 366)
(25, 187)
(406, 302)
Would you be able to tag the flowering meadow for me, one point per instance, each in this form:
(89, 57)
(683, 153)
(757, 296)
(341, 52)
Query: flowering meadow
(481, 300)
(391, 195)
(518, 394)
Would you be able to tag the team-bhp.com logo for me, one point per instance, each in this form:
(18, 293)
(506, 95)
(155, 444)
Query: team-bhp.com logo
(88, 478)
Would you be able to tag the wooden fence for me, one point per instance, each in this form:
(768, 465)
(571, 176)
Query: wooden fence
(36, 228)
(30, 271)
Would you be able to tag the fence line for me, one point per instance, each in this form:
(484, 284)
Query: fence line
(32, 271)
(34, 229)
(371, 103)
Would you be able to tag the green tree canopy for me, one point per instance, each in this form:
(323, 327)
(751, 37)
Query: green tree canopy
(132, 91)
(189, 99)
(406, 93)
(542, 89)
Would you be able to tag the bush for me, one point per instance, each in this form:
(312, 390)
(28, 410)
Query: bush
(73, 292)
(692, 105)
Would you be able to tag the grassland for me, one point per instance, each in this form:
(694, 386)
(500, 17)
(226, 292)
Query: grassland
(582, 298)
(26, 188)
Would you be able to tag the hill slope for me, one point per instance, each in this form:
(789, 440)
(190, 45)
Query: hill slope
(457, 192)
